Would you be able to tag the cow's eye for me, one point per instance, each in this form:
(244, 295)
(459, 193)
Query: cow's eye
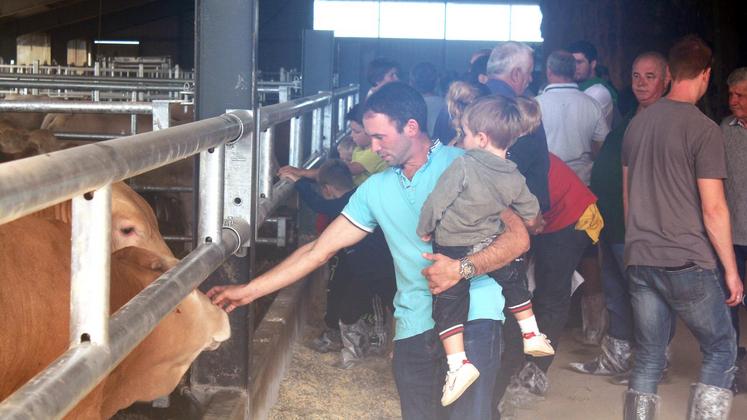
(128, 230)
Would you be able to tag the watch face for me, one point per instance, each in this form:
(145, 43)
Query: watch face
(466, 268)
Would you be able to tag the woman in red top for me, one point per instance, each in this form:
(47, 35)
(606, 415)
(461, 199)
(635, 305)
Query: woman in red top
(571, 223)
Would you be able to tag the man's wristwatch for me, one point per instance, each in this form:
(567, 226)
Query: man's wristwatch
(466, 268)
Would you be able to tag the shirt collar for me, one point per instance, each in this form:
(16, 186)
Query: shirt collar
(500, 87)
(435, 145)
(554, 86)
(737, 122)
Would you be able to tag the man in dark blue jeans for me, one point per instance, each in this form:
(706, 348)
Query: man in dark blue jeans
(393, 117)
(677, 231)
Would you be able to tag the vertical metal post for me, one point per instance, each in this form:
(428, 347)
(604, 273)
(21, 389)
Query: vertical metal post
(316, 130)
(295, 152)
(35, 70)
(225, 63)
(341, 111)
(266, 153)
(283, 94)
(210, 220)
(161, 114)
(328, 130)
(96, 71)
(90, 267)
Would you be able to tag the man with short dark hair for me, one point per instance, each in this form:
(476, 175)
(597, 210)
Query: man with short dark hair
(677, 233)
(601, 90)
(735, 134)
(381, 71)
(394, 117)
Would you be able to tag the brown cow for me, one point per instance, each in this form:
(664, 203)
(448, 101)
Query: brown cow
(34, 301)
(133, 221)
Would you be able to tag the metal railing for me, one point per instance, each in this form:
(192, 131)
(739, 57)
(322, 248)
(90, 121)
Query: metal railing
(124, 83)
(229, 213)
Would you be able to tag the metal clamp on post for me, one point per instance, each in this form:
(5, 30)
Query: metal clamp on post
(242, 230)
(239, 173)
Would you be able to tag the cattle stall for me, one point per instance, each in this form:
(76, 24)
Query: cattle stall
(237, 194)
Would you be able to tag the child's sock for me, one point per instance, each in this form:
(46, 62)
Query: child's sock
(456, 360)
(529, 325)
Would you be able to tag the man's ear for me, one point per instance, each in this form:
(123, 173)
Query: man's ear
(516, 74)
(593, 65)
(411, 127)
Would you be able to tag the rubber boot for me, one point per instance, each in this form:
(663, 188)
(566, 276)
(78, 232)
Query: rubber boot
(614, 359)
(640, 406)
(624, 377)
(527, 387)
(328, 341)
(709, 402)
(594, 319)
(355, 343)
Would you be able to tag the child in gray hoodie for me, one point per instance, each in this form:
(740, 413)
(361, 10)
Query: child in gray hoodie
(462, 216)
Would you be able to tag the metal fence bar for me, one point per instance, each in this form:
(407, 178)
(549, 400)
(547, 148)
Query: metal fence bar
(316, 130)
(32, 184)
(295, 149)
(77, 107)
(90, 267)
(266, 155)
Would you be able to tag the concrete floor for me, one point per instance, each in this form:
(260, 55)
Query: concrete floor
(313, 389)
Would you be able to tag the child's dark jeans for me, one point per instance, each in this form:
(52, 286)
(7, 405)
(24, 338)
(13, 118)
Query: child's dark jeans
(450, 307)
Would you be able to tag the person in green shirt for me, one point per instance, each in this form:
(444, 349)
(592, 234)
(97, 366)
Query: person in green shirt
(364, 162)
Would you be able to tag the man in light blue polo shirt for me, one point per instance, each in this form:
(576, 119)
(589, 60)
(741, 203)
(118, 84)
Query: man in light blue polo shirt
(392, 199)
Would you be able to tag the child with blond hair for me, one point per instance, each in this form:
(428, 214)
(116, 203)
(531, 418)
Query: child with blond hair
(462, 216)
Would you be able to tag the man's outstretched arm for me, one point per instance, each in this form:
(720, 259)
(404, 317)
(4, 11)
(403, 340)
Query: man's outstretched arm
(512, 243)
(339, 234)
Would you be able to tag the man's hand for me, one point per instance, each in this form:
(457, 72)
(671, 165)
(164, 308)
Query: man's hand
(442, 274)
(290, 172)
(736, 289)
(426, 238)
(230, 297)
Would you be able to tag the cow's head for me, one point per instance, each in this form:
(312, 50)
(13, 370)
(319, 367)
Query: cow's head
(135, 224)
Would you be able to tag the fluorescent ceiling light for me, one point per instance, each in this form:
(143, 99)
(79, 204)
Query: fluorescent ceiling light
(115, 42)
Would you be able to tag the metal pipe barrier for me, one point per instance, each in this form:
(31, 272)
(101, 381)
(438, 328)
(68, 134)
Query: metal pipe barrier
(34, 183)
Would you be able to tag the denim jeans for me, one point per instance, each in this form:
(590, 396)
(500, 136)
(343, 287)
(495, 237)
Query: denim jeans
(420, 370)
(556, 256)
(740, 251)
(697, 296)
(616, 293)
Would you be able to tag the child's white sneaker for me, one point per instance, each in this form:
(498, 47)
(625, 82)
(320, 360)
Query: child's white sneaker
(537, 345)
(458, 381)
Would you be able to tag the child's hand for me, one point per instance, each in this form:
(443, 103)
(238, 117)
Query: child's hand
(535, 226)
(290, 173)
(426, 238)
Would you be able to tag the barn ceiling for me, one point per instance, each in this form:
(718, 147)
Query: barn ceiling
(23, 16)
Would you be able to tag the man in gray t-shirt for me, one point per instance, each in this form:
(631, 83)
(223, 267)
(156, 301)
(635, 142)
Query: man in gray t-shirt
(677, 230)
